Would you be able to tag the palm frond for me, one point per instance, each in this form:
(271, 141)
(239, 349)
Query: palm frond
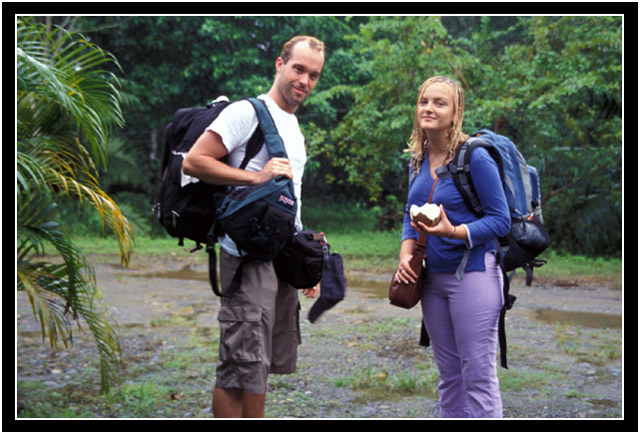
(59, 293)
(46, 305)
(60, 86)
(75, 87)
(106, 207)
(66, 104)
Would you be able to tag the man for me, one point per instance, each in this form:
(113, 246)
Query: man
(259, 323)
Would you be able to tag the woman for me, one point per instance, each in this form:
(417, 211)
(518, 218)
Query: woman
(460, 311)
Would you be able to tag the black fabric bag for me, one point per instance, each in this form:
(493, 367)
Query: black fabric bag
(527, 239)
(186, 207)
(302, 260)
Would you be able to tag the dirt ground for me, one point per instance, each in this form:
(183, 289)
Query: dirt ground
(559, 335)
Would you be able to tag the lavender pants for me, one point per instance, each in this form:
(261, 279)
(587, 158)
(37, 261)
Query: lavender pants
(461, 318)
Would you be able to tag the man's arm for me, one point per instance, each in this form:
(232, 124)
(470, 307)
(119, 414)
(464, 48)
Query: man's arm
(203, 162)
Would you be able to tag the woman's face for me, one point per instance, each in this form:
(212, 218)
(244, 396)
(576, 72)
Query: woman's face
(435, 108)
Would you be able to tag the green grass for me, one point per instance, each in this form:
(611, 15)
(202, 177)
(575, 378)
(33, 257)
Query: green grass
(351, 231)
(383, 381)
(595, 346)
(165, 381)
(540, 380)
(565, 265)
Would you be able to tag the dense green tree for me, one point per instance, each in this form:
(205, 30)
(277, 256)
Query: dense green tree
(173, 62)
(556, 90)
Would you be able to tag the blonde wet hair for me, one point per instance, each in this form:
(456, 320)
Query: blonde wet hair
(419, 140)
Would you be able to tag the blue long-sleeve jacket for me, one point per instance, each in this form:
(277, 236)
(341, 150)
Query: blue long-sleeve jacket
(444, 255)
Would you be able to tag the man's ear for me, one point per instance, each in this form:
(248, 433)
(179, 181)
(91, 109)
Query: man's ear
(279, 64)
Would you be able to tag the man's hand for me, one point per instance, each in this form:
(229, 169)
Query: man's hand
(274, 167)
(311, 292)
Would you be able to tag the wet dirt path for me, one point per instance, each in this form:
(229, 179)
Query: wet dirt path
(353, 359)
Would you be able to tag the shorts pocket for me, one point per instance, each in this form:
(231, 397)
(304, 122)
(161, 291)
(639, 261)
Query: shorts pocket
(240, 333)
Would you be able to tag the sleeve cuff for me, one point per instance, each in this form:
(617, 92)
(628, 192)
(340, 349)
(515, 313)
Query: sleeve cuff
(468, 243)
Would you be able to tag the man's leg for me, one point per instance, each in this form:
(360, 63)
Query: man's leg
(227, 403)
(246, 322)
(236, 403)
(253, 404)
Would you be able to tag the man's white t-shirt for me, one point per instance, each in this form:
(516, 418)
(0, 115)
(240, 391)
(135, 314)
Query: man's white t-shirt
(236, 124)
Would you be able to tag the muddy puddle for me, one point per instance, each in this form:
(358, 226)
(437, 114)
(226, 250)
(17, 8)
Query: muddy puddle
(584, 319)
(370, 288)
(380, 289)
(185, 273)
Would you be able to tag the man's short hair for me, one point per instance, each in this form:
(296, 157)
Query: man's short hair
(314, 43)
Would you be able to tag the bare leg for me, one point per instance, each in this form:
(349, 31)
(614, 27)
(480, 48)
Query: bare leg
(236, 403)
(253, 404)
(227, 403)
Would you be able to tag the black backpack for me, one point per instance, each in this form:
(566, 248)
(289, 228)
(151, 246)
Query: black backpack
(302, 260)
(186, 207)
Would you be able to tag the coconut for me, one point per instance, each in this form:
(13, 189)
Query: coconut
(429, 214)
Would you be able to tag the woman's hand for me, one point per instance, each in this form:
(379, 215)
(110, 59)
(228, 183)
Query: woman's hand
(404, 273)
(444, 228)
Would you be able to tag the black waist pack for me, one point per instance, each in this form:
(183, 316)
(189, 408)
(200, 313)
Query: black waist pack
(302, 259)
(260, 219)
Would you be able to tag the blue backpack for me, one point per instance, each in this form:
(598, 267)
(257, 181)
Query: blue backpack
(527, 238)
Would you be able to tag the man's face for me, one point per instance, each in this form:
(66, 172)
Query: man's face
(296, 79)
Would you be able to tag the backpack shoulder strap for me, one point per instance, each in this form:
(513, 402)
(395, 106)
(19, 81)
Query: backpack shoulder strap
(272, 139)
(253, 147)
(459, 169)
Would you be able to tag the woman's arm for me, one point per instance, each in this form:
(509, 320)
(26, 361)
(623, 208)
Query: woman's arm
(496, 220)
(404, 273)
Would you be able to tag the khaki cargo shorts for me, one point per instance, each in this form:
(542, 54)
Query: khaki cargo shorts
(259, 327)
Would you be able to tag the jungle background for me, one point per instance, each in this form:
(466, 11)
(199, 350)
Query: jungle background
(551, 84)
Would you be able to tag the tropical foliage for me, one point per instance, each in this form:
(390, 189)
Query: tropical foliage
(66, 106)
(553, 84)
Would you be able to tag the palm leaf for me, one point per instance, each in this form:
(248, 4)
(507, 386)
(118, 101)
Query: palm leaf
(66, 105)
(59, 293)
